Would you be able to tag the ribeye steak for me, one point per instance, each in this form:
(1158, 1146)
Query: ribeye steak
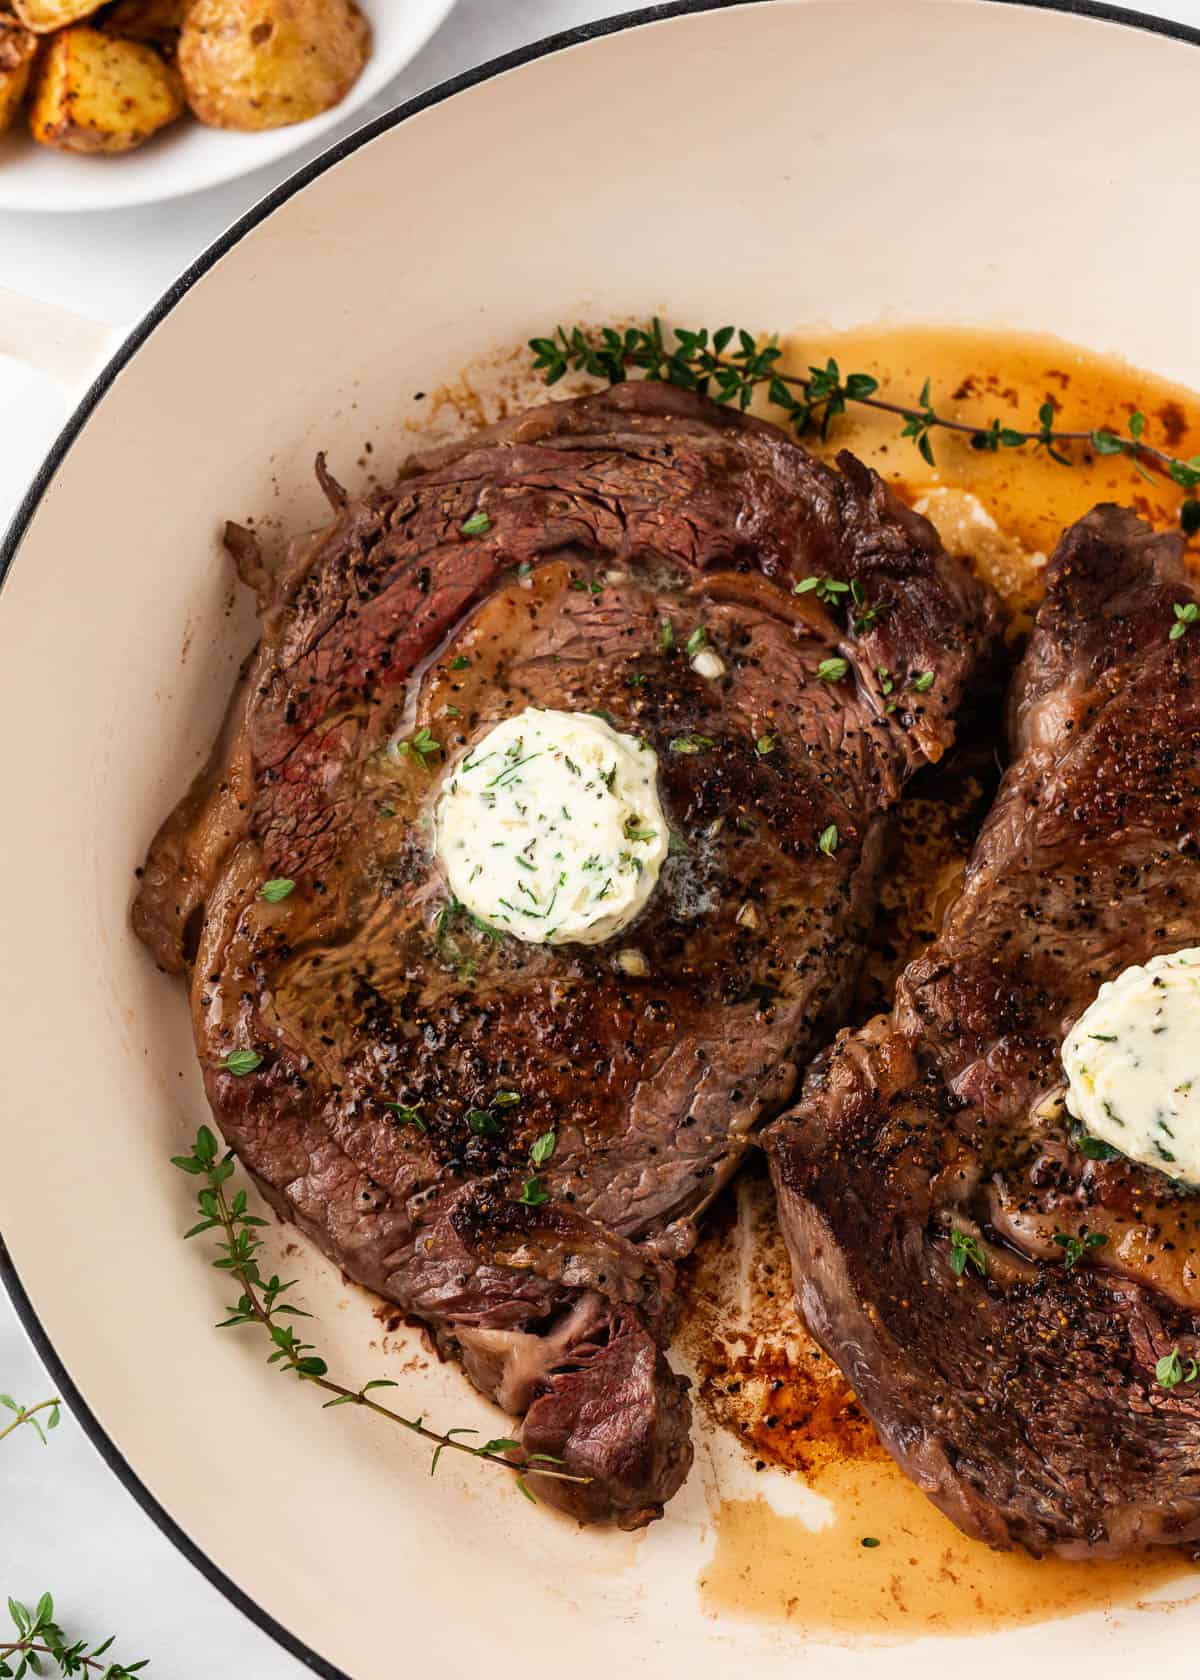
(607, 518)
(1014, 1380)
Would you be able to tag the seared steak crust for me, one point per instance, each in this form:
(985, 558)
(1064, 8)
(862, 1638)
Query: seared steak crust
(650, 1058)
(1025, 1402)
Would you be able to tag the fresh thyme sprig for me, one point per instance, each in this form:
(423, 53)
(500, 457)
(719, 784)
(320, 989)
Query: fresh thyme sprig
(730, 364)
(28, 1414)
(39, 1635)
(260, 1303)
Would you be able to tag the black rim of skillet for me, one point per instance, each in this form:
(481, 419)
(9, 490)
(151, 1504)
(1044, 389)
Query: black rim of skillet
(23, 517)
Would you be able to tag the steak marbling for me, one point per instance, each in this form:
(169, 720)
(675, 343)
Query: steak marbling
(1025, 1402)
(607, 517)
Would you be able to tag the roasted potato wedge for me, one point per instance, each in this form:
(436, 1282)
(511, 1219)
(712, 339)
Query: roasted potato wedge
(18, 47)
(156, 22)
(255, 64)
(92, 93)
(42, 16)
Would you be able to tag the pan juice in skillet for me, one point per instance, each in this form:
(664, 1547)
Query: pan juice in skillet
(759, 1374)
(1004, 513)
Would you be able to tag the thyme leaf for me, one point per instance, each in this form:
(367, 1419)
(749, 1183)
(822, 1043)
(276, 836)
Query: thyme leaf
(1171, 1370)
(277, 890)
(1074, 1248)
(242, 1062)
(543, 1148)
(422, 747)
(965, 1251)
(406, 1115)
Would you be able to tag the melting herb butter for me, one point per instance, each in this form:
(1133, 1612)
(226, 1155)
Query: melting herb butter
(1132, 1062)
(550, 827)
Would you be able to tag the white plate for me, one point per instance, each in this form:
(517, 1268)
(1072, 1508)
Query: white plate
(188, 156)
(776, 165)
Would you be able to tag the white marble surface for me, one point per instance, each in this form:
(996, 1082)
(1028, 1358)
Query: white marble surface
(66, 1524)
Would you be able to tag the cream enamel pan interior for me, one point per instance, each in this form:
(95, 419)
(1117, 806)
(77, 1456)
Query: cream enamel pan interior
(777, 164)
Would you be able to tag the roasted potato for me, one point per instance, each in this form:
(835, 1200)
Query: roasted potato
(156, 22)
(44, 15)
(92, 93)
(254, 64)
(18, 47)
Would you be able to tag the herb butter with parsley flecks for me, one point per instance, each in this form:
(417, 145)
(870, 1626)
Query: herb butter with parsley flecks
(550, 828)
(1132, 1062)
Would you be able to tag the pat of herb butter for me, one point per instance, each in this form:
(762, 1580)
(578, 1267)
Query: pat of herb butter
(1132, 1062)
(550, 827)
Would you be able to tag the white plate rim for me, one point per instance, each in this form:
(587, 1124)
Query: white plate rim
(14, 534)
